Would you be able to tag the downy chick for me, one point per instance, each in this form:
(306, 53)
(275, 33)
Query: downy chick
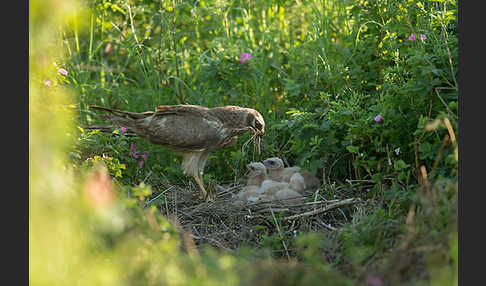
(256, 175)
(277, 172)
(291, 194)
(273, 190)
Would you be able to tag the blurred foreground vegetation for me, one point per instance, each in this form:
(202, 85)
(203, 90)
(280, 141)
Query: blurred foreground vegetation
(358, 92)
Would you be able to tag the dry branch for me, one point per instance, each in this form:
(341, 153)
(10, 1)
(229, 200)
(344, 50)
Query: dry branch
(224, 224)
(323, 209)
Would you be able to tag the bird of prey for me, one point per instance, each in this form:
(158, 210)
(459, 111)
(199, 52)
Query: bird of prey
(257, 174)
(191, 130)
(288, 192)
(251, 192)
(277, 172)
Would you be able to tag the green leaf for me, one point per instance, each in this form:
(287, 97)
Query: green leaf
(352, 149)
(400, 165)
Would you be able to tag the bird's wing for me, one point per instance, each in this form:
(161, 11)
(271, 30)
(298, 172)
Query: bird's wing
(186, 127)
(182, 108)
(122, 113)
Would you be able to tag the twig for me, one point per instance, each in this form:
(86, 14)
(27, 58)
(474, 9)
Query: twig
(148, 203)
(442, 100)
(148, 175)
(328, 226)
(313, 203)
(132, 27)
(447, 48)
(266, 210)
(450, 130)
(212, 240)
(439, 155)
(225, 191)
(280, 234)
(323, 209)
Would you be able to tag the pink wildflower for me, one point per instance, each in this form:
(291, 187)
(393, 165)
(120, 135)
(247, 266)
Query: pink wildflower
(123, 129)
(47, 83)
(422, 37)
(244, 58)
(412, 37)
(378, 118)
(62, 71)
(134, 154)
(145, 153)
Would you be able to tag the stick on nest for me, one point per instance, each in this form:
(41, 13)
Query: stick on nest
(226, 225)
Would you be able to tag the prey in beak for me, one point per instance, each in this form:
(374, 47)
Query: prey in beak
(256, 138)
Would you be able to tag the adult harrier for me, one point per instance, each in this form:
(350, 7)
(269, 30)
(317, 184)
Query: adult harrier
(191, 130)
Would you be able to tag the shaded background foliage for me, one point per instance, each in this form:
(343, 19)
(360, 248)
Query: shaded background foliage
(320, 72)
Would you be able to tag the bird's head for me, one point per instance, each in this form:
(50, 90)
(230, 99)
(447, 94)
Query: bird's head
(273, 163)
(256, 168)
(255, 122)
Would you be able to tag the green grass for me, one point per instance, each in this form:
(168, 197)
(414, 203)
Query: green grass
(320, 72)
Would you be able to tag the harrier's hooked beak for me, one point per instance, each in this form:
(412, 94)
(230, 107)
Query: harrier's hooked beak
(257, 131)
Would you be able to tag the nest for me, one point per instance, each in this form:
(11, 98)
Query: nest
(227, 225)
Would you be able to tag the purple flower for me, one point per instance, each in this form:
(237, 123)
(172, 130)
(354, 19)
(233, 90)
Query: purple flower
(47, 83)
(145, 153)
(412, 37)
(244, 58)
(134, 154)
(62, 71)
(123, 129)
(378, 118)
(140, 164)
(422, 37)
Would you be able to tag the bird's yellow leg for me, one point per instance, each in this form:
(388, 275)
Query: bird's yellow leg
(208, 197)
(199, 181)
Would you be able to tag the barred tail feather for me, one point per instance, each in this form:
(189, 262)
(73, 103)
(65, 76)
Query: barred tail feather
(121, 113)
(133, 121)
